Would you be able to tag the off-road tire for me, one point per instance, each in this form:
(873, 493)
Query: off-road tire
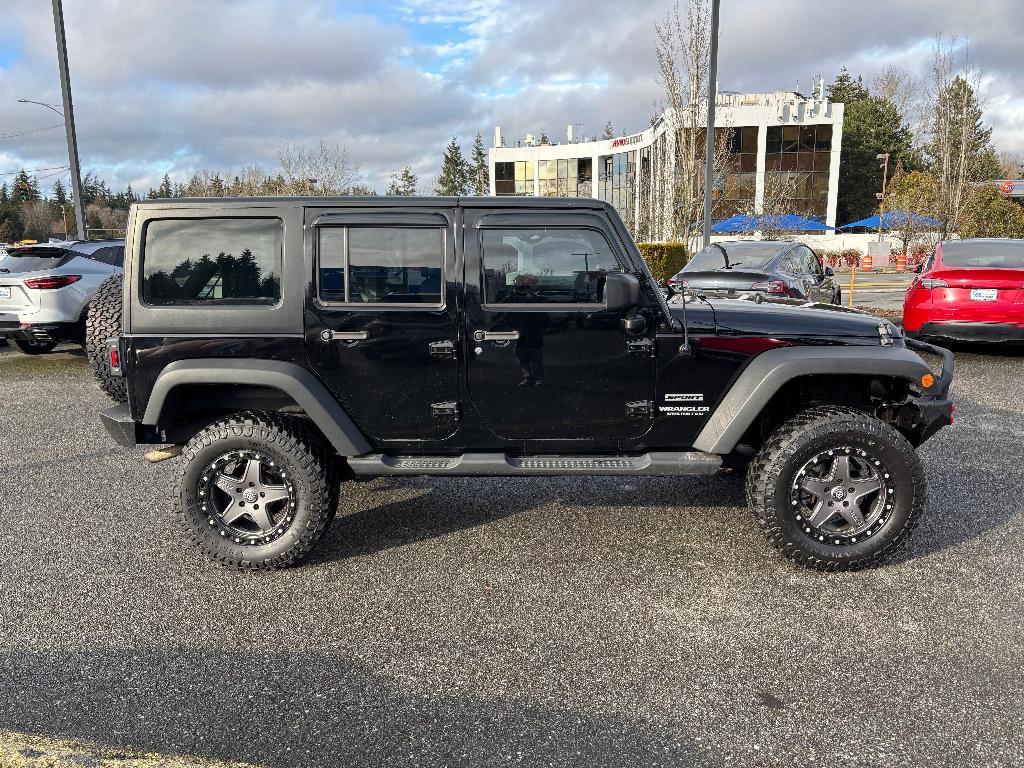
(104, 322)
(773, 475)
(34, 347)
(299, 453)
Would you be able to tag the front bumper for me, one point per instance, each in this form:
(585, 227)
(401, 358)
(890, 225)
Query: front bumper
(987, 332)
(921, 417)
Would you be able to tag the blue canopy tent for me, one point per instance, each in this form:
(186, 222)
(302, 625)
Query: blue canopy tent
(787, 222)
(894, 220)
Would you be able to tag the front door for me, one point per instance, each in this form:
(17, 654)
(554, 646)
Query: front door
(546, 359)
(381, 318)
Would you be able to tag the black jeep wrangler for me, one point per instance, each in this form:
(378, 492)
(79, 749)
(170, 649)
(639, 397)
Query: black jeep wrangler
(284, 345)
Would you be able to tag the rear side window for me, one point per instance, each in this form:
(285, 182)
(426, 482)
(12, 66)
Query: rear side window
(212, 261)
(112, 255)
(381, 265)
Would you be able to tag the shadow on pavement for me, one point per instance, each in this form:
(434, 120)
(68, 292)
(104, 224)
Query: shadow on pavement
(280, 709)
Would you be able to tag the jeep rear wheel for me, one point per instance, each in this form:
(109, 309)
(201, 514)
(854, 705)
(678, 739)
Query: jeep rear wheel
(104, 322)
(835, 489)
(257, 491)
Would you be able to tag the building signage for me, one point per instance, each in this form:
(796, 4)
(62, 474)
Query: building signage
(626, 141)
(1008, 187)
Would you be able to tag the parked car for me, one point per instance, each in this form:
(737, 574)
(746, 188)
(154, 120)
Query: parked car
(969, 290)
(353, 338)
(779, 268)
(45, 290)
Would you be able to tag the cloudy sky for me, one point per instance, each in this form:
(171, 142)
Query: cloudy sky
(175, 85)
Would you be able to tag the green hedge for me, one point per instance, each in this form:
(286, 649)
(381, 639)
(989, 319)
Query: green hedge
(664, 259)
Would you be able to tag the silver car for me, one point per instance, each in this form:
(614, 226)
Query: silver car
(45, 290)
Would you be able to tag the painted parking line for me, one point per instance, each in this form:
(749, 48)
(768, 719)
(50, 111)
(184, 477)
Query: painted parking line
(23, 750)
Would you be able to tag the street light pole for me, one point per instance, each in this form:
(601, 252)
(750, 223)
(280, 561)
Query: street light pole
(709, 163)
(884, 157)
(69, 118)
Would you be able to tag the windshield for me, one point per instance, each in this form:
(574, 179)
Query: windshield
(984, 254)
(732, 255)
(34, 259)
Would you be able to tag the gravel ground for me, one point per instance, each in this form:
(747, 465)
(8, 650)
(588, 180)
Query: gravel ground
(526, 621)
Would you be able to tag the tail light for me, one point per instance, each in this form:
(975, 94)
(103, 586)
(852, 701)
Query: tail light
(770, 286)
(52, 282)
(931, 282)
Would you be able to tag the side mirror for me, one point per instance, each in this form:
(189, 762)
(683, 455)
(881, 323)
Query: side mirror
(621, 290)
(919, 268)
(829, 272)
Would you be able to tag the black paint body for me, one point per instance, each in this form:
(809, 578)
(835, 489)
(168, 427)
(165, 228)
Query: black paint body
(575, 380)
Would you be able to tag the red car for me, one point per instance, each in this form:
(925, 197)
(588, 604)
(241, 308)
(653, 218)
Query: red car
(969, 290)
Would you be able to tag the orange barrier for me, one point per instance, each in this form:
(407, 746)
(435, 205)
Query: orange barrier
(866, 266)
(901, 262)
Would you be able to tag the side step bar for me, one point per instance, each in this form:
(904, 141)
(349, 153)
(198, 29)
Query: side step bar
(503, 465)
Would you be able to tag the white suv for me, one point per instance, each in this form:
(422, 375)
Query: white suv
(45, 290)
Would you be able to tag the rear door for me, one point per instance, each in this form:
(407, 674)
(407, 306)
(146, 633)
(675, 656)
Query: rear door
(548, 360)
(381, 317)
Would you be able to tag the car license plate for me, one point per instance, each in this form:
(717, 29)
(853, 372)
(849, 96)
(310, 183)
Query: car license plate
(984, 294)
(5, 292)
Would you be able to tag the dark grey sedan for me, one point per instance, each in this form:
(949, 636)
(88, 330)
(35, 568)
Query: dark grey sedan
(778, 268)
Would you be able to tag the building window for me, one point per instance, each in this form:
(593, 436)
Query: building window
(617, 182)
(212, 261)
(547, 178)
(736, 188)
(513, 178)
(798, 159)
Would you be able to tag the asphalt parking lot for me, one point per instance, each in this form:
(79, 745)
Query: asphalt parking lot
(508, 622)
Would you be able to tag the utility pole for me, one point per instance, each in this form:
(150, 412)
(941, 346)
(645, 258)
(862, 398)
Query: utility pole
(709, 166)
(69, 118)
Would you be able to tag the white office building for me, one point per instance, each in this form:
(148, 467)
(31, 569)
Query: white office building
(796, 136)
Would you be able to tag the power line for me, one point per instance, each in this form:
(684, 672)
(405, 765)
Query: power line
(31, 130)
(34, 170)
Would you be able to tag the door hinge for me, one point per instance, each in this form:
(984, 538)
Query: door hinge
(639, 408)
(644, 347)
(445, 410)
(442, 350)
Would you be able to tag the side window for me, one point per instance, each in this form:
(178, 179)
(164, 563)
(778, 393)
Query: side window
(212, 261)
(381, 265)
(545, 266)
(112, 255)
(813, 265)
(791, 263)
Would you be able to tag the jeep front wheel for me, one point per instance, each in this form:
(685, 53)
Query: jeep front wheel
(256, 491)
(835, 489)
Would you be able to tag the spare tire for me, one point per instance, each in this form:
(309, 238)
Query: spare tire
(104, 322)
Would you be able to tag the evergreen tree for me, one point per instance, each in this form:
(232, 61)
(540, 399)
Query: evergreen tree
(60, 197)
(481, 171)
(5, 195)
(403, 182)
(544, 140)
(165, 189)
(871, 126)
(609, 132)
(26, 190)
(455, 177)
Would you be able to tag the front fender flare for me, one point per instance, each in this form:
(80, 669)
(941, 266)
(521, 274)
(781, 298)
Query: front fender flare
(758, 382)
(298, 383)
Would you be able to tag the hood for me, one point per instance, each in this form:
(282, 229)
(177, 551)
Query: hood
(790, 318)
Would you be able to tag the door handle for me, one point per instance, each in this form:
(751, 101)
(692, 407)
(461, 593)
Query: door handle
(344, 335)
(496, 335)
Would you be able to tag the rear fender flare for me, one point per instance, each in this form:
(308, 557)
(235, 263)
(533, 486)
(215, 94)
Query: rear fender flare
(758, 382)
(295, 381)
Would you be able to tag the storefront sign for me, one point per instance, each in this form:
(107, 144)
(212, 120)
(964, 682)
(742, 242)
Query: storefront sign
(626, 141)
